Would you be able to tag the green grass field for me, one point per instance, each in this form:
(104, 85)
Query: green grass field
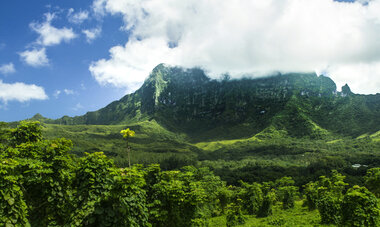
(153, 143)
(297, 216)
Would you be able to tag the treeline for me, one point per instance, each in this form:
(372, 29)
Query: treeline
(42, 184)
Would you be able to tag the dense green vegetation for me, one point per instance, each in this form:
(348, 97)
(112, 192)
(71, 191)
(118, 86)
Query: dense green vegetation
(253, 130)
(283, 150)
(43, 184)
(266, 156)
(187, 101)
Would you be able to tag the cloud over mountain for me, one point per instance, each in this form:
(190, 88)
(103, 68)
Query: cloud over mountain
(239, 36)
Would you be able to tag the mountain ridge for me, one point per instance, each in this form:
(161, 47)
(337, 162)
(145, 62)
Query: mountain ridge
(188, 101)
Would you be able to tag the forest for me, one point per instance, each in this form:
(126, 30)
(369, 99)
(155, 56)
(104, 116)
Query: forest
(43, 183)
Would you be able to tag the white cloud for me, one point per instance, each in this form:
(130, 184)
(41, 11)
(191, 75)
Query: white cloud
(367, 74)
(50, 35)
(91, 34)
(57, 93)
(21, 92)
(242, 36)
(77, 18)
(98, 6)
(130, 64)
(68, 91)
(35, 57)
(7, 68)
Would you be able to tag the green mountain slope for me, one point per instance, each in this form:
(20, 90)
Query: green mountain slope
(288, 122)
(187, 101)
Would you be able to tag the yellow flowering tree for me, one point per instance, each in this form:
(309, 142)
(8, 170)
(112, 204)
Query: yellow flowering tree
(126, 134)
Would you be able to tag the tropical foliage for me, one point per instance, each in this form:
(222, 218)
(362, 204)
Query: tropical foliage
(42, 184)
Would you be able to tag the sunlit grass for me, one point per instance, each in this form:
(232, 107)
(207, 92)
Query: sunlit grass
(154, 143)
(376, 136)
(297, 216)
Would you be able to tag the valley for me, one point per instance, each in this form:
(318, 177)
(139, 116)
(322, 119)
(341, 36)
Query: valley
(239, 128)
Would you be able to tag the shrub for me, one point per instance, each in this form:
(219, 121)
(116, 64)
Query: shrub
(268, 201)
(234, 214)
(13, 209)
(286, 192)
(329, 207)
(251, 196)
(311, 192)
(330, 194)
(26, 131)
(108, 196)
(360, 208)
(372, 181)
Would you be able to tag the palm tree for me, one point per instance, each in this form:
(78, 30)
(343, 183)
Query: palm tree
(126, 134)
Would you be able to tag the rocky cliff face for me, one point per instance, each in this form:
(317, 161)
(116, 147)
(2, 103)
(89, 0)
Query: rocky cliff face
(187, 100)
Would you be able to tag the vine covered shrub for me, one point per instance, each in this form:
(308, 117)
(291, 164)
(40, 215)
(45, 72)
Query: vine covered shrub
(108, 196)
(286, 192)
(360, 208)
(13, 209)
(252, 197)
(26, 131)
(329, 208)
(330, 195)
(183, 198)
(311, 193)
(234, 214)
(372, 181)
(267, 204)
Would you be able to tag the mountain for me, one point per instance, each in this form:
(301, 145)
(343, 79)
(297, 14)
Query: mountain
(186, 100)
(294, 124)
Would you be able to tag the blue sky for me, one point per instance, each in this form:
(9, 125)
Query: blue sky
(69, 57)
(68, 61)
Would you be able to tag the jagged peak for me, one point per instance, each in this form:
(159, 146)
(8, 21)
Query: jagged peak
(160, 67)
(346, 90)
(157, 74)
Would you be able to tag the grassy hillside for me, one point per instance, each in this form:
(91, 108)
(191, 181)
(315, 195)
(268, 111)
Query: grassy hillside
(250, 129)
(267, 155)
(152, 143)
